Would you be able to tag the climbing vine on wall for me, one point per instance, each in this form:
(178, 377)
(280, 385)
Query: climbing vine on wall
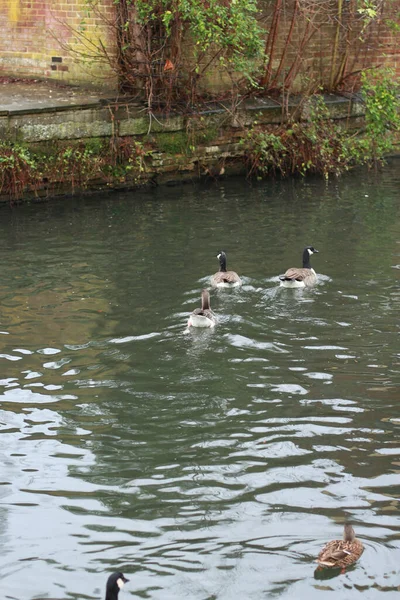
(167, 50)
(172, 45)
(344, 31)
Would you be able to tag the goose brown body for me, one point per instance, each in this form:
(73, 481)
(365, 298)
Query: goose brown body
(224, 278)
(227, 277)
(341, 553)
(301, 277)
(307, 276)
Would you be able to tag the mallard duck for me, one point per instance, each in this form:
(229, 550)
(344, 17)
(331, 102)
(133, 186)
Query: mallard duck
(224, 278)
(300, 278)
(204, 316)
(341, 553)
(115, 582)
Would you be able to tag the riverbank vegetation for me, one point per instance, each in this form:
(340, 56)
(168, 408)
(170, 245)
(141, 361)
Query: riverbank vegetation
(68, 167)
(307, 141)
(190, 57)
(322, 145)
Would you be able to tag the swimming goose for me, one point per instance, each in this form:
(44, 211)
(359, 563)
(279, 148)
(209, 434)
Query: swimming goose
(341, 553)
(224, 278)
(204, 316)
(299, 278)
(115, 583)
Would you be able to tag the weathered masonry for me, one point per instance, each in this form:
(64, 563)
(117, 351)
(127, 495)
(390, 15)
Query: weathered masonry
(172, 156)
(38, 39)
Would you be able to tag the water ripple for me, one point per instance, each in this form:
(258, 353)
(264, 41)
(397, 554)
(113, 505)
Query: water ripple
(210, 464)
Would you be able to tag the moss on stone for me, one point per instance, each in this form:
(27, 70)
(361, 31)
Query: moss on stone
(184, 142)
(172, 143)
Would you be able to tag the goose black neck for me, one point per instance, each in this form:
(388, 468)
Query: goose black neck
(222, 264)
(306, 259)
(112, 594)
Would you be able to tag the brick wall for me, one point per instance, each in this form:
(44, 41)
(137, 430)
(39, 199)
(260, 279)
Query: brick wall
(306, 32)
(37, 40)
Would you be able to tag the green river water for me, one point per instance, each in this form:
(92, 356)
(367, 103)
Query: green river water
(212, 464)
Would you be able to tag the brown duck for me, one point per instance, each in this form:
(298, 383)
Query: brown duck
(224, 278)
(341, 553)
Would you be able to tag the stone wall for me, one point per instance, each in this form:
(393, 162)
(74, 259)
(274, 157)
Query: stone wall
(179, 148)
(38, 40)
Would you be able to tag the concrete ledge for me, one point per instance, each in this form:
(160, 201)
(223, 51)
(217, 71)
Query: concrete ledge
(108, 118)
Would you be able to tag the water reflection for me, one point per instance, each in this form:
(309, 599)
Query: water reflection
(213, 464)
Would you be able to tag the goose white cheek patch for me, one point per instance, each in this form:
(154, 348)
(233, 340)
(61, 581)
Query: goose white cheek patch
(310, 251)
(120, 583)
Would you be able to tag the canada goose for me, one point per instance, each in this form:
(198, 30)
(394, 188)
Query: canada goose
(204, 316)
(299, 278)
(341, 553)
(115, 583)
(224, 278)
